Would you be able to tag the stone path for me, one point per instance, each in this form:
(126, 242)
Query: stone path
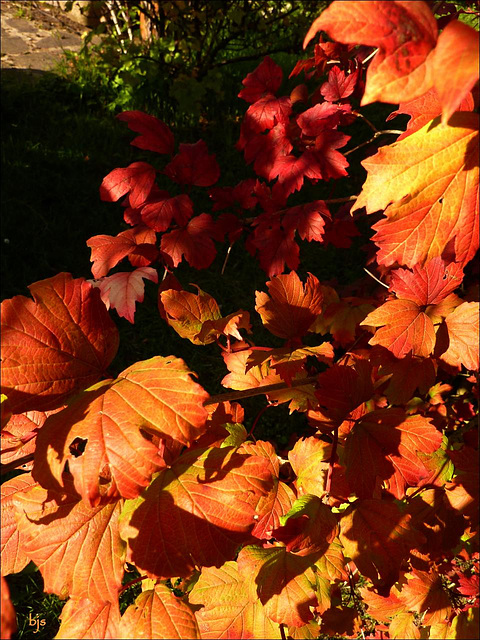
(34, 36)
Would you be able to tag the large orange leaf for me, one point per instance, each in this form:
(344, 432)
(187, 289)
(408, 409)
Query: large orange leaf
(78, 549)
(463, 340)
(231, 608)
(377, 536)
(382, 608)
(385, 443)
(405, 328)
(157, 613)
(423, 215)
(58, 343)
(279, 499)
(84, 619)
(8, 618)
(292, 306)
(285, 583)
(14, 558)
(455, 63)
(109, 434)
(196, 513)
(404, 32)
(424, 593)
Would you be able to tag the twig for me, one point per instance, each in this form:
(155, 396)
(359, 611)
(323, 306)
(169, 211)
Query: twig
(392, 132)
(339, 200)
(375, 278)
(370, 56)
(131, 583)
(282, 631)
(16, 464)
(257, 418)
(258, 391)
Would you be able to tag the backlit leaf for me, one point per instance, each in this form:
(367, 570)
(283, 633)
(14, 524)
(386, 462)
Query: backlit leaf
(122, 290)
(192, 165)
(198, 512)
(137, 180)
(60, 342)
(266, 78)
(157, 613)
(193, 241)
(107, 251)
(422, 216)
(87, 619)
(13, 556)
(462, 325)
(404, 32)
(187, 312)
(155, 135)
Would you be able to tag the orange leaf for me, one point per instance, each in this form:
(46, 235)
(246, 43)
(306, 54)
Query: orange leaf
(381, 608)
(377, 536)
(404, 32)
(285, 583)
(197, 512)
(422, 216)
(77, 549)
(462, 325)
(402, 627)
(455, 63)
(157, 613)
(87, 619)
(424, 593)
(405, 329)
(107, 434)
(292, 307)
(231, 606)
(8, 618)
(14, 558)
(187, 312)
(57, 344)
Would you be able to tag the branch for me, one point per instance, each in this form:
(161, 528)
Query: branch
(258, 391)
(393, 132)
(16, 464)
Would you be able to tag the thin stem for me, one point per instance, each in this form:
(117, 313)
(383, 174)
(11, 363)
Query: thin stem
(258, 391)
(339, 200)
(395, 132)
(375, 278)
(370, 124)
(257, 418)
(226, 259)
(370, 56)
(331, 462)
(282, 631)
(131, 583)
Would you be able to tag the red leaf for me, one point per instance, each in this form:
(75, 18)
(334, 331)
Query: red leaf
(192, 165)
(64, 338)
(156, 136)
(8, 618)
(404, 32)
(339, 86)
(429, 284)
(137, 179)
(122, 290)
(241, 196)
(107, 251)
(276, 248)
(292, 307)
(158, 215)
(267, 111)
(307, 220)
(193, 242)
(266, 78)
(321, 117)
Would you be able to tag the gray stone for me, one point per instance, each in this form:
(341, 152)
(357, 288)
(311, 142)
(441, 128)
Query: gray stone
(38, 60)
(49, 42)
(22, 25)
(13, 44)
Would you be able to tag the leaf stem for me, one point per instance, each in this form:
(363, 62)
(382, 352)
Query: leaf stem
(331, 462)
(131, 583)
(257, 418)
(392, 132)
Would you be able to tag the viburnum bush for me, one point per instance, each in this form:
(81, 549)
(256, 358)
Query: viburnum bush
(368, 525)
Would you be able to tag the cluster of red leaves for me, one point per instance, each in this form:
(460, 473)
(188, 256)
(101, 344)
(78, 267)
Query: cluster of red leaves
(146, 469)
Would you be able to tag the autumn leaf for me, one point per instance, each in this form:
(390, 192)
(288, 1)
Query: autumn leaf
(285, 583)
(462, 326)
(403, 627)
(429, 284)
(137, 180)
(14, 558)
(231, 608)
(406, 375)
(122, 290)
(20, 434)
(158, 214)
(86, 619)
(455, 64)
(267, 111)
(422, 216)
(291, 308)
(266, 78)
(53, 529)
(382, 608)
(192, 165)
(155, 135)
(385, 443)
(377, 536)
(199, 511)
(276, 248)
(187, 313)
(109, 434)
(8, 618)
(64, 338)
(424, 593)
(339, 85)
(193, 241)
(158, 613)
(107, 251)
(404, 32)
